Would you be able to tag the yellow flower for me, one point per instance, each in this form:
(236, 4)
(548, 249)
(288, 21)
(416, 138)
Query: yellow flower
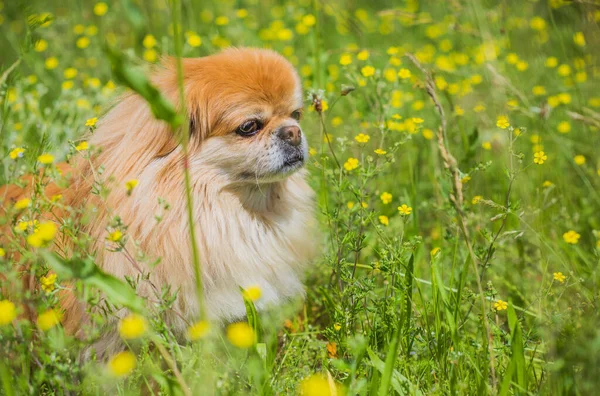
(363, 55)
(46, 159)
(380, 152)
(194, 40)
(551, 62)
(579, 39)
(253, 292)
(70, 73)
(132, 326)
(51, 63)
(150, 55)
(241, 335)
(367, 71)
(309, 20)
(41, 45)
(547, 184)
(337, 326)
(91, 122)
(351, 164)
(486, 145)
(16, 153)
(404, 74)
(42, 234)
(540, 157)
(427, 133)
(571, 237)
(465, 179)
(362, 138)
(2, 252)
(100, 8)
(49, 319)
(122, 363)
(564, 70)
(8, 312)
(579, 159)
(417, 120)
(115, 236)
(82, 42)
(538, 90)
(350, 205)
(149, 41)
(386, 198)
(537, 23)
(404, 209)
(82, 146)
(48, 282)
(500, 305)
(345, 59)
(434, 251)
(198, 330)
(319, 385)
(476, 199)
(221, 20)
(559, 276)
(22, 203)
(502, 122)
(564, 127)
(384, 220)
(130, 185)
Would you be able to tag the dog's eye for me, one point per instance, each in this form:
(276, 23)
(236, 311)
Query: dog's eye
(249, 128)
(297, 115)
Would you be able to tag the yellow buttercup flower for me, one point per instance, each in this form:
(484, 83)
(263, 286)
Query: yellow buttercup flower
(22, 203)
(384, 220)
(368, 71)
(194, 40)
(404, 209)
(564, 127)
(16, 153)
(132, 326)
(42, 234)
(122, 364)
(319, 385)
(502, 122)
(351, 164)
(8, 312)
(571, 237)
(345, 59)
(253, 292)
(476, 199)
(149, 41)
(579, 39)
(198, 330)
(559, 276)
(48, 282)
(579, 159)
(241, 335)
(49, 319)
(540, 157)
(82, 146)
(404, 74)
(386, 198)
(362, 138)
(51, 63)
(115, 236)
(130, 185)
(500, 305)
(100, 8)
(91, 122)
(46, 159)
(380, 152)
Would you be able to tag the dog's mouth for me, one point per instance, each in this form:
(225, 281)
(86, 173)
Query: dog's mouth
(294, 160)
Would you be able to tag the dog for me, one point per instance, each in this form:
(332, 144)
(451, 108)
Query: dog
(253, 210)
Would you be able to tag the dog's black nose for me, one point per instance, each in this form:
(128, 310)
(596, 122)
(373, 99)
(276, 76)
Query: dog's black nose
(291, 134)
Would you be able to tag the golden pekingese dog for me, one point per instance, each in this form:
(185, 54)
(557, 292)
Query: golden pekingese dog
(253, 209)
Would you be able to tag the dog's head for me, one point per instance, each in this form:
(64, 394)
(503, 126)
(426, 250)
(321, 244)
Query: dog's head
(244, 107)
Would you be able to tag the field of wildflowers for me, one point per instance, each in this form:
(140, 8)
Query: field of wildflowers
(455, 158)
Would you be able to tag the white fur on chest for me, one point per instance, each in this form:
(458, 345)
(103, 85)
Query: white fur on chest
(259, 238)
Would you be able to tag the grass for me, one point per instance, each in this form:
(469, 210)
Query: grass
(480, 117)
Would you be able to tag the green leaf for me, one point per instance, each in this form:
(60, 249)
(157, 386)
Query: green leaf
(252, 315)
(518, 353)
(133, 78)
(400, 383)
(115, 290)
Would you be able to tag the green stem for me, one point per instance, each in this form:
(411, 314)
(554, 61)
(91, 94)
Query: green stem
(178, 39)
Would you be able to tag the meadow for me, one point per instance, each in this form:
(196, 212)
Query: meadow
(454, 152)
